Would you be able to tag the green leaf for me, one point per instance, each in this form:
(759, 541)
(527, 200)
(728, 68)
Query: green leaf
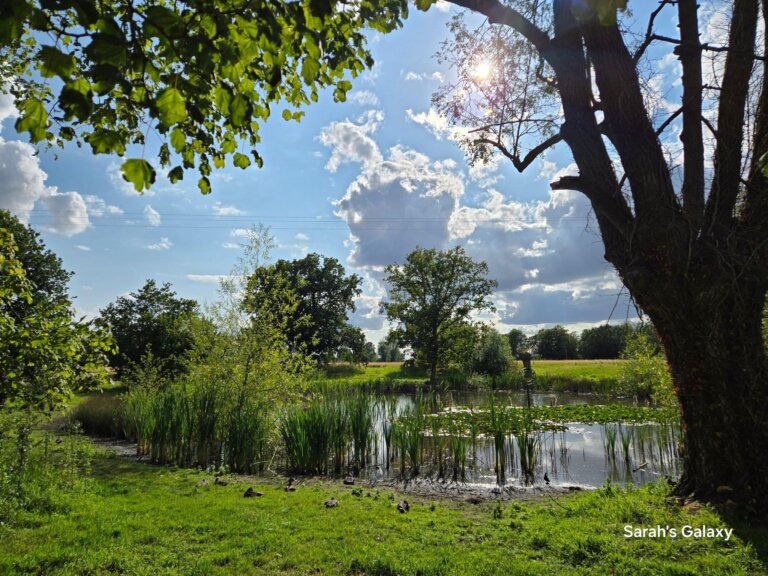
(166, 23)
(241, 161)
(104, 141)
(33, 119)
(75, 99)
(53, 62)
(107, 49)
(138, 172)
(171, 106)
(309, 70)
(287, 114)
(205, 185)
(178, 140)
(424, 4)
(176, 174)
(238, 111)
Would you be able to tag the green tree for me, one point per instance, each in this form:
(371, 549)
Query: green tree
(153, 320)
(518, 341)
(309, 298)
(431, 297)
(606, 341)
(203, 76)
(645, 373)
(389, 350)
(556, 344)
(684, 228)
(493, 356)
(45, 354)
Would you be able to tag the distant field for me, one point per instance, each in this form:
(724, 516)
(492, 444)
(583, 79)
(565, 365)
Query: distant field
(597, 369)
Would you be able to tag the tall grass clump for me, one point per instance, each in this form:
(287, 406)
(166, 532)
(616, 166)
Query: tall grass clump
(306, 434)
(361, 409)
(499, 427)
(408, 432)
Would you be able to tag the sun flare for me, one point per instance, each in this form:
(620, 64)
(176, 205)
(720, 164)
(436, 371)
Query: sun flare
(482, 70)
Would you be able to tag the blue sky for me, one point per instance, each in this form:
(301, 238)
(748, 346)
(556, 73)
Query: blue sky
(364, 181)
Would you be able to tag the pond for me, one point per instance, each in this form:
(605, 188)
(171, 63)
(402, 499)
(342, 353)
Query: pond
(560, 452)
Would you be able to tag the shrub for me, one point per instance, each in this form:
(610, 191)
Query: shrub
(645, 375)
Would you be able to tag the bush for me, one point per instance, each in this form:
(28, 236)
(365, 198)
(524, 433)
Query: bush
(645, 375)
(99, 415)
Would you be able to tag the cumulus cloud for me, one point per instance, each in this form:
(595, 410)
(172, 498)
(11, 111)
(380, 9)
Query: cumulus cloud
(7, 108)
(163, 244)
(411, 76)
(545, 254)
(351, 142)
(301, 237)
(97, 207)
(207, 278)
(231, 245)
(363, 98)
(152, 216)
(24, 189)
(220, 209)
(83, 248)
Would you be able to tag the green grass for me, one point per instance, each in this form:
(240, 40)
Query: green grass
(146, 520)
(596, 369)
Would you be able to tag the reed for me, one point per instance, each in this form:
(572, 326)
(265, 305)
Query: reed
(360, 408)
(500, 425)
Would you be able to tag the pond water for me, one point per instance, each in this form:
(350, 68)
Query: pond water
(579, 454)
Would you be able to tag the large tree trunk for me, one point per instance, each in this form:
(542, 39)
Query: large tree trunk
(710, 325)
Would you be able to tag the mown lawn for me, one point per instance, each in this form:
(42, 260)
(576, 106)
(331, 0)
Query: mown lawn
(142, 519)
(596, 369)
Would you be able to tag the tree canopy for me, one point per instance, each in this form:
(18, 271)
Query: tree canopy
(606, 341)
(153, 320)
(431, 298)
(309, 299)
(556, 344)
(45, 354)
(200, 77)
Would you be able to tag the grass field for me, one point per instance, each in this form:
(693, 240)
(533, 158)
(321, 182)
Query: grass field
(552, 375)
(145, 520)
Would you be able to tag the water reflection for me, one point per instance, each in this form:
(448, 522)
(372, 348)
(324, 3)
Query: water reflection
(578, 455)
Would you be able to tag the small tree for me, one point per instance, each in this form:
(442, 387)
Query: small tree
(310, 298)
(388, 349)
(493, 356)
(645, 373)
(152, 320)
(518, 341)
(556, 344)
(431, 296)
(604, 341)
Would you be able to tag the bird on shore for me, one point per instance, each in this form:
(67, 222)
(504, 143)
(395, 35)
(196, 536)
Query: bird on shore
(403, 507)
(546, 478)
(220, 482)
(332, 503)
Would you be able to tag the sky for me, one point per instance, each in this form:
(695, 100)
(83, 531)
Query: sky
(365, 181)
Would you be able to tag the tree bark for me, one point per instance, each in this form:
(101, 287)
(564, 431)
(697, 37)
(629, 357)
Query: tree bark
(719, 368)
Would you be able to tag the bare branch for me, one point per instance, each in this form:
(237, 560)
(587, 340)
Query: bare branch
(649, 35)
(521, 165)
(498, 13)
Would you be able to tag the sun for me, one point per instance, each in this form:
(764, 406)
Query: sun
(482, 70)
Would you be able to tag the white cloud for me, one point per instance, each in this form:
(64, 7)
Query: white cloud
(163, 244)
(83, 248)
(363, 98)
(207, 278)
(220, 209)
(350, 142)
(301, 237)
(240, 233)
(152, 215)
(231, 245)
(411, 76)
(437, 124)
(7, 108)
(97, 207)
(23, 189)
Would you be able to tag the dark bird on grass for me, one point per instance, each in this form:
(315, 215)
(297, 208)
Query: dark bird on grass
(250, 493)
(220, 482)
(289, 487)
(546, 478)
(332, 503)
(349, 480)
(403, 507)
(59, 440)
